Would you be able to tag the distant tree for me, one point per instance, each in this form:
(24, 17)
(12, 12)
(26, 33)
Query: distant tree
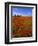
(14, 15)
(18, 15)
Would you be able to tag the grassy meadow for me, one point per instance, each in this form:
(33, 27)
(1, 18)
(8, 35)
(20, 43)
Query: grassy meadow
(21, 26)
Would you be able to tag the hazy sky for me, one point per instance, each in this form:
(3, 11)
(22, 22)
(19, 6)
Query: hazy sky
(22, 11)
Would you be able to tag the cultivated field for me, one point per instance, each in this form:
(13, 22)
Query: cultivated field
(21, 26)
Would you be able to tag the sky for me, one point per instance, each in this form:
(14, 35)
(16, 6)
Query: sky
(22, 11)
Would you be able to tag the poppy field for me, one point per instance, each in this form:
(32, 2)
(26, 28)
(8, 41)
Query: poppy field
(21, 26)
